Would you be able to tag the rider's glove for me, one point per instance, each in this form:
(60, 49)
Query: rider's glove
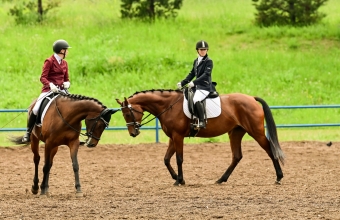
(66, 85)
(53, 87)
(179, 85)
(191, 84)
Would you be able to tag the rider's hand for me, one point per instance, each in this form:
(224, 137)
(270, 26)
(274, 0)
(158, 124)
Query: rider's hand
(66, 85)
(53, 87)
(179, 85)
(191, 84)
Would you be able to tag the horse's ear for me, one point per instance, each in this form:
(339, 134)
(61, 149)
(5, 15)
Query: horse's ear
(126, 101)
(119, 102)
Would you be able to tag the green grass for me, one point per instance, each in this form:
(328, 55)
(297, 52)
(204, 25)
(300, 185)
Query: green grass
(113, 58)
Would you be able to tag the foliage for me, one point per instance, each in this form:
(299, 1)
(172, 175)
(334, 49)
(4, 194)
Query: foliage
(288, 12)
(150, 9)
(32, 12)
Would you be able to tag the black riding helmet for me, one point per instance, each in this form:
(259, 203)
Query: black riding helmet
(59, 45)
(202, 45)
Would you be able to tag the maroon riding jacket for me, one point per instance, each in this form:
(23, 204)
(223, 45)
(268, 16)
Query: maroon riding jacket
(55, 73)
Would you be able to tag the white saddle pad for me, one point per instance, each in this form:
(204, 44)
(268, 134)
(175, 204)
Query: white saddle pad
(212, 107)
(45, 109)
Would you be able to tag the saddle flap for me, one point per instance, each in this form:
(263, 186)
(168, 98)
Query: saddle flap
(44, 106)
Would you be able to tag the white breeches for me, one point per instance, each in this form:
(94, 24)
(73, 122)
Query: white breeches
(40, 99)
(200, 95)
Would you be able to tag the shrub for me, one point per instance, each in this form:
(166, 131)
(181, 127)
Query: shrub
(150, 9)
(288, 12)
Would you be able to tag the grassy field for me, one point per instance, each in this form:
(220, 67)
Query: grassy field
(112, 58)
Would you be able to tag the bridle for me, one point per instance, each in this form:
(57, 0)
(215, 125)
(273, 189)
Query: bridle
(90, 133)
(136, 125)
(99, 117)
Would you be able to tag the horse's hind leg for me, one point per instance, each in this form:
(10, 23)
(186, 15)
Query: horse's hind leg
(235, 137)
(264, 143)
(36, 160)
(49, 155)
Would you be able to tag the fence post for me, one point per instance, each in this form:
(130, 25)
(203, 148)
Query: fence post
(157, 135)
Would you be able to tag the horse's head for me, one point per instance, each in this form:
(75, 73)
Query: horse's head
(95, 126)
(133, 116)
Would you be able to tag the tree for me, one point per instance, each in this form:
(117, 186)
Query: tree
(288, 12)
(33, 11)
(150, 9)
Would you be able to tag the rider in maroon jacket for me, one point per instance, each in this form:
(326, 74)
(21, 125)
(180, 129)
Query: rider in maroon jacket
(54, 77)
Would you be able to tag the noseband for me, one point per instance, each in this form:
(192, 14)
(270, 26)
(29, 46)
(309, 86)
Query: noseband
(136, 125)
(99, 117)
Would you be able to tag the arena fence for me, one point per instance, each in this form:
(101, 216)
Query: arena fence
(157, 127)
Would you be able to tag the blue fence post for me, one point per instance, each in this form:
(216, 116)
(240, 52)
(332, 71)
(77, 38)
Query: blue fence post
(157, 135)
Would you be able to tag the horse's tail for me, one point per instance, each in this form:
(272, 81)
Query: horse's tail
(272, 133)
(16, 140)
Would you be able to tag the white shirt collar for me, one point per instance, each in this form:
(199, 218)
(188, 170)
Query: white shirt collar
(199, 59)
(57, 57)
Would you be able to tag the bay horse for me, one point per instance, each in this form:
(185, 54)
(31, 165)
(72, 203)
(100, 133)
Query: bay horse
(240, 114)
(62, 126)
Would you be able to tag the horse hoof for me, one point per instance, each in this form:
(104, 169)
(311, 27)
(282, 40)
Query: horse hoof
(43, 196)
(218, 182)
(79, 194)
(277, 182)
(34, 191)
(177, 183)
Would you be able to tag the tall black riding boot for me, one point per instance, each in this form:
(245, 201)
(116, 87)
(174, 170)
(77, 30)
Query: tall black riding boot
(30, 124)
(200, 112)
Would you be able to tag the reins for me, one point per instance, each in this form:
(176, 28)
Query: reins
(167, 109)
(87, 134)
(62, 118)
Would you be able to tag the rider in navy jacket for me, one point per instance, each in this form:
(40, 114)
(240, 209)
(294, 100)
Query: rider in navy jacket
(202, 85)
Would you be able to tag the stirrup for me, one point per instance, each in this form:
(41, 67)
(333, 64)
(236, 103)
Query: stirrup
(26, 138)
(201, 125)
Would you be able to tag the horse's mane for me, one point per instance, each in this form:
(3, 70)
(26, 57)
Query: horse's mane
(157, 90)
(81, 97)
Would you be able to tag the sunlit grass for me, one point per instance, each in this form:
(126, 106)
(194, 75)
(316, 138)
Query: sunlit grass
(112, 58)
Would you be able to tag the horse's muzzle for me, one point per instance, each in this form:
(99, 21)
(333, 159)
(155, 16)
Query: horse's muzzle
(135, 134)
(89, 144)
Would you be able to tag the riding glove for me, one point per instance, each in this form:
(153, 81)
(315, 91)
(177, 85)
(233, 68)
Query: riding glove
(179, 85)
(191, 84)
(53, 87)
(66, 85)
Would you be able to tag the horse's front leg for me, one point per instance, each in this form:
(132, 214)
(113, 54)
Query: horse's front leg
(36, 160)
(74, 146)
(49, 155)
(177, 145)
(169, 153)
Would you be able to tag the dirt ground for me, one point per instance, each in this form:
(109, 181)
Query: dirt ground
(132, 182)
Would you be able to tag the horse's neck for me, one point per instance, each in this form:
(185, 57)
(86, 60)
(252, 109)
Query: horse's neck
(80, 109)
(157, 103)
